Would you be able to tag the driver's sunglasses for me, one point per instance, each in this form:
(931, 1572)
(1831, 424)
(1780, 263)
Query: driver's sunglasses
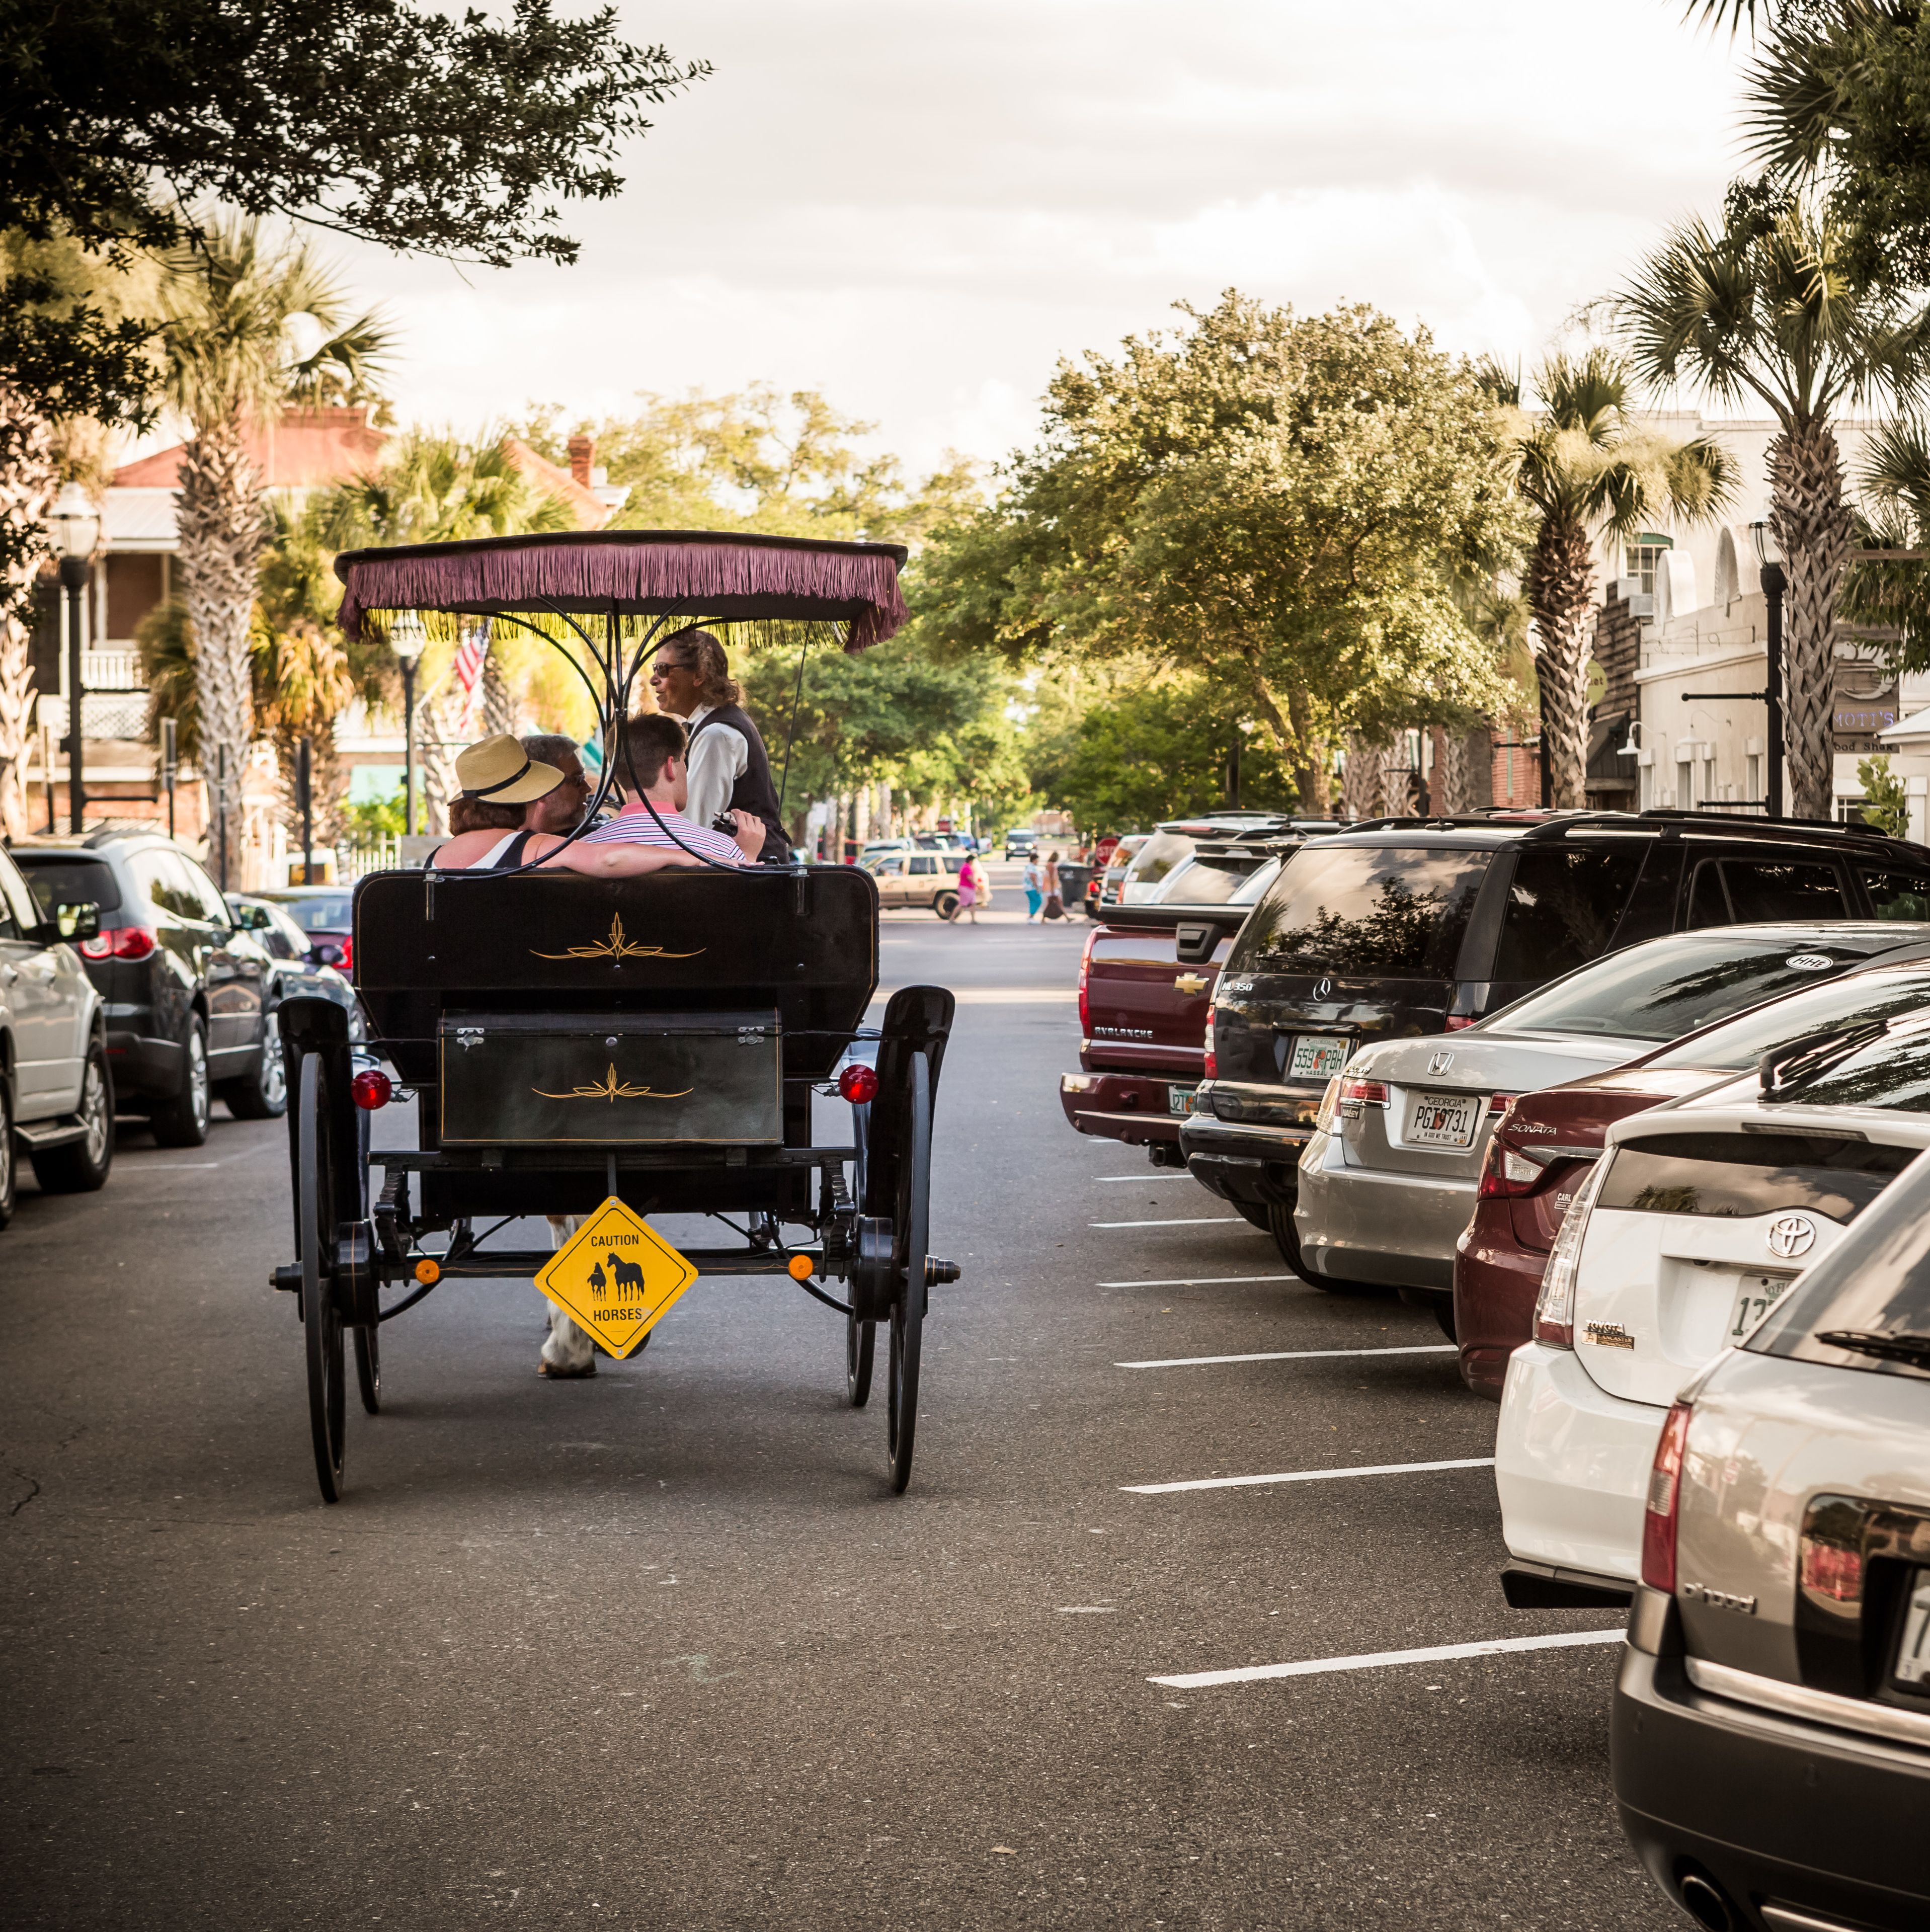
(660, 669)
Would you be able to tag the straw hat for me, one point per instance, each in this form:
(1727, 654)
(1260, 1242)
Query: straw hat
(499, 772)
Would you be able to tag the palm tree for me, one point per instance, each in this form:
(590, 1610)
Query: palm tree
(1769, 308)
(1586, 466)
(235, 302)
(435, 488)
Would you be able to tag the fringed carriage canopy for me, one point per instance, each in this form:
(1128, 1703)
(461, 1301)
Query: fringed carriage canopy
(774, 587)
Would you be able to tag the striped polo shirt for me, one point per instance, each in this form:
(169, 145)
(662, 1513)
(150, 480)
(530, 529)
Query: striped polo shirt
(634, 826)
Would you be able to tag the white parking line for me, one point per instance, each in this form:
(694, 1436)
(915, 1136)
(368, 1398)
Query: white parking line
(1288, 1354)
(1118, 1179)
(1204, 1680)
(1199, 1281)
(1191, 1221)
(1306, 1476)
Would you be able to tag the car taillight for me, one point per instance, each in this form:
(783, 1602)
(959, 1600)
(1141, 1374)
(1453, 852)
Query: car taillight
(1085, 975)
(1554, 1307)
(858, 1084)
(1830, 1570)
(1456, 1021)
(348, 958)
(1500, 1103)
(1330, 1101)
(1355, 1094)
(1212, 1058)
(120, 942)
(1506, 1175)
(1662, 1516)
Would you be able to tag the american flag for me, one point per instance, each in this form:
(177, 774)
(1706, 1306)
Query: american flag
(469, 656)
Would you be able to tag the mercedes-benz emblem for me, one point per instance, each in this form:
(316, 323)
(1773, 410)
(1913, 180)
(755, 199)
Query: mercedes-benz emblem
(1325, 987)
(1791, 1235)
(1440, 1062)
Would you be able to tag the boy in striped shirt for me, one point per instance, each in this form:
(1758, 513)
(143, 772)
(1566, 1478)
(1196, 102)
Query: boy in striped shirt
(650, 765)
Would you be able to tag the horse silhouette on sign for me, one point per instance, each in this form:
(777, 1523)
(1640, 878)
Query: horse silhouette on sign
(597, 1281)
(624, 1279)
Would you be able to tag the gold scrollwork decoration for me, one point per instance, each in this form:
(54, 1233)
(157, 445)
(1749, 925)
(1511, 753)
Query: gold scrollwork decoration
(615, 947)
(611, 1089)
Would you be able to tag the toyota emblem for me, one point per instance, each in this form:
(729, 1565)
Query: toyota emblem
(1791, 1235)
(1325, 987)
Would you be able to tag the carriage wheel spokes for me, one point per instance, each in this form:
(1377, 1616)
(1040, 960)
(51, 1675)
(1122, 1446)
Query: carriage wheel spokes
(907, 1311)
(368, 1368)
(321, 1318)
(861, 1342)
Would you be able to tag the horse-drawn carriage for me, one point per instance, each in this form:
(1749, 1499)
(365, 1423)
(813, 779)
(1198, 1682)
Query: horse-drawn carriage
(622, 1048)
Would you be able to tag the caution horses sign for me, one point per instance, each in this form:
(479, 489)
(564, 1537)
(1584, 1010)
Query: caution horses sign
(616, 1277)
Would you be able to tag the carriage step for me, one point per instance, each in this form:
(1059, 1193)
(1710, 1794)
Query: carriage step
(938, 1273)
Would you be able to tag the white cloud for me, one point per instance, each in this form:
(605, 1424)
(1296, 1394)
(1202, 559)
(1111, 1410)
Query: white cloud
(921, 206)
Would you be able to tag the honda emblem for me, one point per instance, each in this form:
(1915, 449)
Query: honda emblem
(1440, 1062)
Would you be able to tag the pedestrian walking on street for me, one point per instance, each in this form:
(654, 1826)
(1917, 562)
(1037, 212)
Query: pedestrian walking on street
(1055, 905)
(971, 888)
(1035, 894)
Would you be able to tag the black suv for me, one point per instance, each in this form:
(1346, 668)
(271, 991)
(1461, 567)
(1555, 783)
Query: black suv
(1400, 927)
(185, 992)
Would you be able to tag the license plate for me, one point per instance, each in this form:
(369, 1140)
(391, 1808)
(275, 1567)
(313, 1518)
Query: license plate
(1913, 1649)
(1182, 1099)
(1317, 1056)
(1756, 1294)
(1444, 1119)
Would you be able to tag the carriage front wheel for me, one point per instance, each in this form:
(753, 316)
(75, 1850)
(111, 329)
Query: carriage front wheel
(321, 1318)
(907, 1311)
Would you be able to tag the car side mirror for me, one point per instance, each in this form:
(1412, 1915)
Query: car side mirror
(329, 956)
(250, 918)
(77, 922)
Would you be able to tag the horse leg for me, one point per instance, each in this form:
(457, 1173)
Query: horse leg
(568, 1350)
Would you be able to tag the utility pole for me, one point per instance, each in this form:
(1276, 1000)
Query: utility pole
(170, 766)
(305, 800)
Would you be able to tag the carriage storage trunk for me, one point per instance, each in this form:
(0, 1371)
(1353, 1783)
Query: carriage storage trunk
(615, 1079)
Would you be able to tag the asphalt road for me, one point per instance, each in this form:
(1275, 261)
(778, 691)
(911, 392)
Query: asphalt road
(660, 1649)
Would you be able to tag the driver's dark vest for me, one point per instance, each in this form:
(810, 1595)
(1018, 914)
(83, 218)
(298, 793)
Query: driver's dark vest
(753, 792)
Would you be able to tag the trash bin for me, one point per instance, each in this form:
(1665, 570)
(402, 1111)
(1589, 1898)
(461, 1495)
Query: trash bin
(1072, 880)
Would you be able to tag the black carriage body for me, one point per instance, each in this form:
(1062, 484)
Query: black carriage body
(728, 993)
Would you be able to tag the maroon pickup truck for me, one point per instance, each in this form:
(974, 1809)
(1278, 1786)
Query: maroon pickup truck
(1144, 984)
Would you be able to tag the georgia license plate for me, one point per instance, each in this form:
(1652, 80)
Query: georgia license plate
(1913, 1649)
(1180, 1100)
(1756, 1294)
(1444, 1119)
(1317, 1056)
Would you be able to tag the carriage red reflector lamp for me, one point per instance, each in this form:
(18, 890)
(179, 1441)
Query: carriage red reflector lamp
(371, 1089)
(858, 1084)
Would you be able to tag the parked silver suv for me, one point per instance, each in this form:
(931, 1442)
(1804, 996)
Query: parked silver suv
(1771, 1726)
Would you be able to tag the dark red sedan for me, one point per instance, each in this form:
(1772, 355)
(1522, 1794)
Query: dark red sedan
(1541, 1151)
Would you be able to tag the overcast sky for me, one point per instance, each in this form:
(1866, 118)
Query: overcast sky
(919, 206)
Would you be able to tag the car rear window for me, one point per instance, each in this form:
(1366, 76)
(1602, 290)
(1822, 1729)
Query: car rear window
(1365, 909)
(1209, 879)
(1872, 1294)
(1740, 1044)
(1158, 856)
(1736, 1177)
(1892, 1070)
(1666, 987)
(59, 880)
(1564, 906)
(320, 914)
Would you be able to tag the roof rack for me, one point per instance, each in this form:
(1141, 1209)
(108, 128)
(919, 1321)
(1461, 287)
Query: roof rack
(1540, 826)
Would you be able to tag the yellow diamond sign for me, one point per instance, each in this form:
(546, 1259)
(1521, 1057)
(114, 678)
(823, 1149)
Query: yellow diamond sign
(617, 1276)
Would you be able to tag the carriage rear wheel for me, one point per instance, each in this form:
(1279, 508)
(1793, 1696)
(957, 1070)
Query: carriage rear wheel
(860, 1341)
(368, 1367)
(908, 1312)
(321, 1319)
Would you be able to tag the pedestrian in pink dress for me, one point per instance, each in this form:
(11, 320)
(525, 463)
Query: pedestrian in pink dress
(971, 888)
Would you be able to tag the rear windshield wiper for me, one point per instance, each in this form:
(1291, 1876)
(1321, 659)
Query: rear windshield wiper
(1784, 1069)
(1904, 1346)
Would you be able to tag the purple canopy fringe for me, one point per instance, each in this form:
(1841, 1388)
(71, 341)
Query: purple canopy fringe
(722, 576)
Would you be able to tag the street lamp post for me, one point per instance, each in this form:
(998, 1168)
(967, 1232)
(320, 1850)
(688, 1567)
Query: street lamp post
(407, 639)
(1769, 554)
(75, 528)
